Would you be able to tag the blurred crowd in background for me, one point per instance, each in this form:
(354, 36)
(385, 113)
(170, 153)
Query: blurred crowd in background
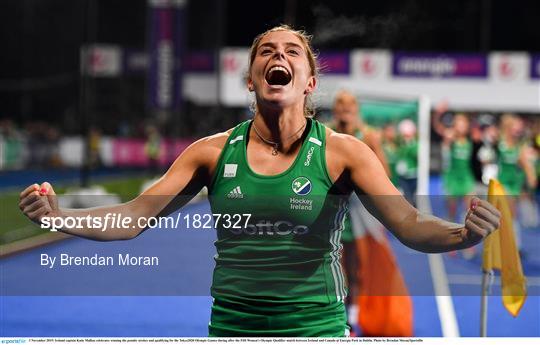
(36, 144)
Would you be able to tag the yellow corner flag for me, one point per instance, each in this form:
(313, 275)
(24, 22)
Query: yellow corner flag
(500, 253)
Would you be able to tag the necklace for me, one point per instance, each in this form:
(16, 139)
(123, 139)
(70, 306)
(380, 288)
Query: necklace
(274, 144)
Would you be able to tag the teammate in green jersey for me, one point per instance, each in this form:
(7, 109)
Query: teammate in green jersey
(280, 274)
(516, 170)
(407, 161)
(458, 178)
(391, 150)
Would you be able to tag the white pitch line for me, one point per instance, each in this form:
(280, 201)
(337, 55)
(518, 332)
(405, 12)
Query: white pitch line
(445, 306)
(474, 279)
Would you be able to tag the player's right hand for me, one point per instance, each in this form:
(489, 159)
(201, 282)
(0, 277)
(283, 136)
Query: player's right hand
(442, 107)
(38, 201)
(481, 220)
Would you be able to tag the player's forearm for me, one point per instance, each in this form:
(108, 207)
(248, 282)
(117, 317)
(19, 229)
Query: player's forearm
(416, 230)
(430, 234)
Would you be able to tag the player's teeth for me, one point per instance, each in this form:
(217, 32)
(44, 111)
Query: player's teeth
(278, 68)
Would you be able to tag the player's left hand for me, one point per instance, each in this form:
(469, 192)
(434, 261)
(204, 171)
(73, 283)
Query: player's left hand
(481, 220)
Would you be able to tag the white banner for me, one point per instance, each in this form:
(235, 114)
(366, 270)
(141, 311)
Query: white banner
(370, 64)
(101, 60)
(234, 65)
(509, 67)
(71, 151)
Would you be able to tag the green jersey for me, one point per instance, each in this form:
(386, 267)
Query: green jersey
(458, 178)
(392, 154)
(280, 267)
(510, 173)
(407, 160)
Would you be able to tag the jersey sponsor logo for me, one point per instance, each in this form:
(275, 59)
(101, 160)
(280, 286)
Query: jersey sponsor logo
(236, 193)
(309, 155)
(301, 185)
(230, 170)
(268, 227)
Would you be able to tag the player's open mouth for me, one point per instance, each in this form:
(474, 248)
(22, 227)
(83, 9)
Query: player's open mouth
(278, 75)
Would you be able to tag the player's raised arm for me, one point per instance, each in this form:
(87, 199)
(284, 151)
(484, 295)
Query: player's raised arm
(416, 230)
(440, 109)
(188, 174)
(526, 159)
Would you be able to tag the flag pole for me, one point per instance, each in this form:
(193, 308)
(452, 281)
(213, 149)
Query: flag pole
(486, 282)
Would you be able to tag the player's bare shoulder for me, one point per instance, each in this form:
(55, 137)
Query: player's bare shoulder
(343, 144)
(214, 141)
(207, 150)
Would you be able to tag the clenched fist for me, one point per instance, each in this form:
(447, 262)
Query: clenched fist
(38, 201)
(481, 220)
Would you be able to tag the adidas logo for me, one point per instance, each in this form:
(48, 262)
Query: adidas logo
(236, 193)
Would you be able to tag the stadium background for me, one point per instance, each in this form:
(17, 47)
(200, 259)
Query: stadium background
(77, 73)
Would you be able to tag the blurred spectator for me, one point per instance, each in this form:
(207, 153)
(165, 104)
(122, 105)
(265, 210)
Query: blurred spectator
(407, 163)
(43, 145)
(485, 151)
(52, 151)
(390, 147)
(476, 140)
(12, 147)
(36, 144)
(152, 148)
(94, 148)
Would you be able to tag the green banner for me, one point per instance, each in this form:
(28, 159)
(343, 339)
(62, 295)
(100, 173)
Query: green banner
(379, 113)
